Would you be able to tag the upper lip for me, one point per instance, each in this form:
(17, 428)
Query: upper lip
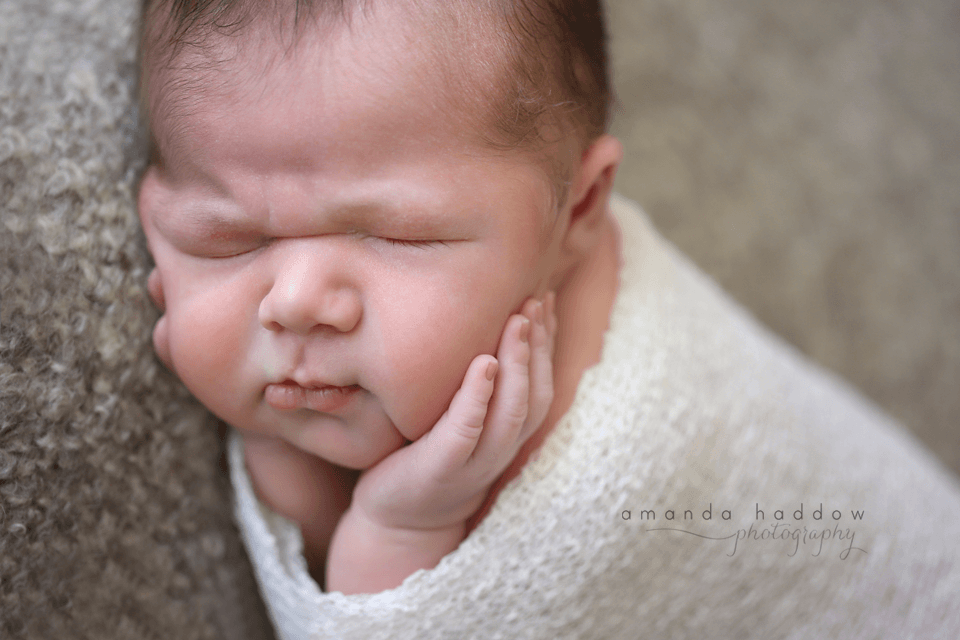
(309, 383)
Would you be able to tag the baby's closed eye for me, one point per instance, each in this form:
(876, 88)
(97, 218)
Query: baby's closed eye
(422, 244)
(220, 246)
(212, 237)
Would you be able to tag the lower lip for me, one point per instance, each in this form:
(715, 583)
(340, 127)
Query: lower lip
(289, 396)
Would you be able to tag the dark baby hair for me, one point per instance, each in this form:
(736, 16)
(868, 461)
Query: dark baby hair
(552, 78)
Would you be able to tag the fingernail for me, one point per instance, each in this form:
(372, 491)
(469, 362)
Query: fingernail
(525, 330)
(491, 369)
(538, 312)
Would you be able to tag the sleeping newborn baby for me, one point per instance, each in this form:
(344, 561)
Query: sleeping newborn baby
(366, 255)
(473, 392)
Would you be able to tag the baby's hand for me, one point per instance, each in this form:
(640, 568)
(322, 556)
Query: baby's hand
(410, 510)
(442, 478)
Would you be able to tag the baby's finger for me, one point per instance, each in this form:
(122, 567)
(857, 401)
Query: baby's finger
(550, 315)
(541, 373)
(454, 438)
(508, 407)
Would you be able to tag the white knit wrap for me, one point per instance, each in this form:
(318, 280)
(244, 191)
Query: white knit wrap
(693, 406)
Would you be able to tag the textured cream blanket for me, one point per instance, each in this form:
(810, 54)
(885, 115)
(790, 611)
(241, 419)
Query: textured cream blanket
(708, 482)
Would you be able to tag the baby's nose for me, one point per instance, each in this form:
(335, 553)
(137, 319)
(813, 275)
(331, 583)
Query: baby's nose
(304, 298)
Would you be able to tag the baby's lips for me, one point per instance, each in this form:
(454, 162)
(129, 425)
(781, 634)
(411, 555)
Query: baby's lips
(290, 396)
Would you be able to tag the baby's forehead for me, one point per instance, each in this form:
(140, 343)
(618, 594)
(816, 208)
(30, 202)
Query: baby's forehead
(450, 62)
(451, 68)
(379, 71)
(329, 87)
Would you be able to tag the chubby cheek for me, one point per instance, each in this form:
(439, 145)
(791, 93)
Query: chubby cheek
(206, 349)
(428, 342)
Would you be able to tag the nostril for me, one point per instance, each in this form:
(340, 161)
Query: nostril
(306, 303)
(267, 316)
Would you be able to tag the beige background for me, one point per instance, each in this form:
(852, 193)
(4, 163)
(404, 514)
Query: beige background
(807, 156)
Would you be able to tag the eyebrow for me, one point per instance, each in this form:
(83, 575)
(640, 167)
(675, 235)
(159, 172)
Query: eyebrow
(402, 213)
(362, 214)
(203, 220)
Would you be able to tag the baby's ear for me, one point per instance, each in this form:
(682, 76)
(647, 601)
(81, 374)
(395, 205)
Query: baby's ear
(590, 191)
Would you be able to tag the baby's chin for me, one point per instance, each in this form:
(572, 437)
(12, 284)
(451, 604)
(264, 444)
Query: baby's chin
(369, 456)
(363, 462)
(357, 436)
(357, 453)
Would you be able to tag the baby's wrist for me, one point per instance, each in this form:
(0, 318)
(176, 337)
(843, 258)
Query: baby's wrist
(368, 557)
(436, 527)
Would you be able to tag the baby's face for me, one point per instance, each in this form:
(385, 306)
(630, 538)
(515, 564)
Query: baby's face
(333, 251)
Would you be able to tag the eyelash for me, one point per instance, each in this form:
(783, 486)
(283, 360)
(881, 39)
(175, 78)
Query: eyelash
(255, 247)
(397, 242)
(420, 244)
